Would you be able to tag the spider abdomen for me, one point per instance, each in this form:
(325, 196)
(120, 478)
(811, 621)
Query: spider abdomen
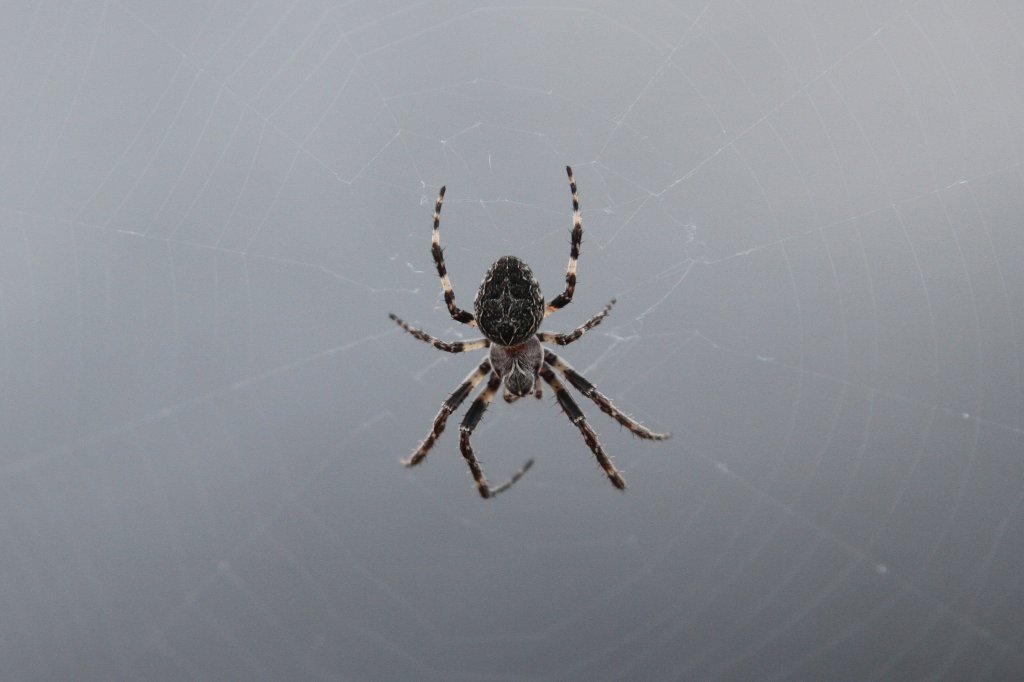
(509, 305)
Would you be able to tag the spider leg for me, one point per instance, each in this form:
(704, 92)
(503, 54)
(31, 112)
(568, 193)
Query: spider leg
(575, 415)
(565, 339)
(588, 389)
(469, 422)
(565, 297)
(457, 313)
(454, 347)
(449, 406)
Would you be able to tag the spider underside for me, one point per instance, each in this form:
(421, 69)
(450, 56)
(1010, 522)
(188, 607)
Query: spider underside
(508, 310)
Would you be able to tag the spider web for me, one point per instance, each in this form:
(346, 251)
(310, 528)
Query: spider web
(810, 216)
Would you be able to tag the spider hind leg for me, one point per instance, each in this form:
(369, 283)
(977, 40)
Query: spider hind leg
(457, 313)
(564, 298)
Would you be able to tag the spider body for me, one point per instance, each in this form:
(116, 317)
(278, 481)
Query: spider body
(509, 306)
(508, 310)
(518, 366)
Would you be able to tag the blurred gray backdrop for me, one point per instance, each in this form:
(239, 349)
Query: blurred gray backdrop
(812, 217)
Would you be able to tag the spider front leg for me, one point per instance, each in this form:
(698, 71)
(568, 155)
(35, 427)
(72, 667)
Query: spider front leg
(469, 423)
(565, 297)
(565, 339)
(575, 415)
(588, 389)
(457, 313)
(449, 406)
(455, 347)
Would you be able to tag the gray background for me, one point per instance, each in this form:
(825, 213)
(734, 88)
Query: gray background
(810, 213)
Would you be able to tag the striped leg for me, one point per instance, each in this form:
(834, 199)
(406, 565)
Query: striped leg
(457, 313)
(565, 297)
(575, 414)
(449, 406)
(469, 422)
(588, 389)
(454, 347)
(565, 339)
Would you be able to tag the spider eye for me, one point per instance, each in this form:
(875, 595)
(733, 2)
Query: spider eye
(519, 383)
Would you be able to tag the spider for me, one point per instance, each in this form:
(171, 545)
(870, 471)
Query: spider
(508, 310)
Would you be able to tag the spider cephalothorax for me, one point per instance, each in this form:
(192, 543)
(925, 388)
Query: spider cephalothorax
(509, 309)
(518, 366)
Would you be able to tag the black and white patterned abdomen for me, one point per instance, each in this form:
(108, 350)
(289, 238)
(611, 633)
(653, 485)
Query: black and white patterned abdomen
(509, 306)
